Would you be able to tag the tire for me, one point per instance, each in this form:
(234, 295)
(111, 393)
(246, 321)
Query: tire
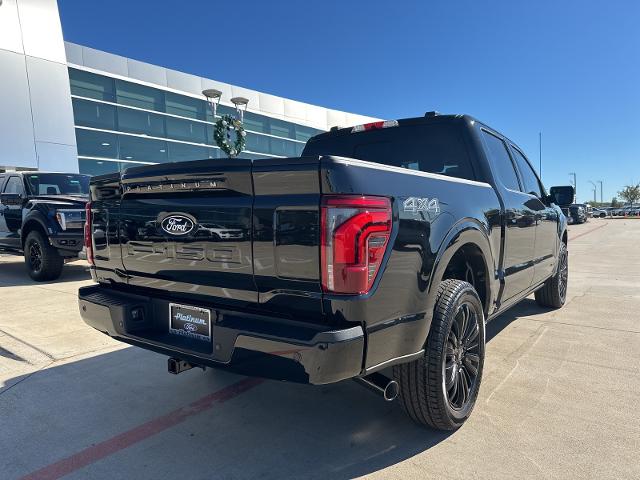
(429, 394)
(554, 291)
(42, 260)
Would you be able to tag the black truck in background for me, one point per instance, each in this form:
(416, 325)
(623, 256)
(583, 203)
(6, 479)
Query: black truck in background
(42, 218)
(389, 244)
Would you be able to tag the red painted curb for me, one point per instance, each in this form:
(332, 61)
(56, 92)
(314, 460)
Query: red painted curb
(588, 231)
(126, 439)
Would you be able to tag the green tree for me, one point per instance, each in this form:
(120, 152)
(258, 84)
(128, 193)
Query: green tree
(614, 202)
(630, 193)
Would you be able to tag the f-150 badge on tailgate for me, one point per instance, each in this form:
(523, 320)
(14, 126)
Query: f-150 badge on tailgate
(417, 204)
(177, 224)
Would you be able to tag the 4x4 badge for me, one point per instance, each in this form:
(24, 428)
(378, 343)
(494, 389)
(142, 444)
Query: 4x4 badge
(421, 204)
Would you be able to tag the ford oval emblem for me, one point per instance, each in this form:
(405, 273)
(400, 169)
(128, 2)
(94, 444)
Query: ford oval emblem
(177, 225)
(190, 327)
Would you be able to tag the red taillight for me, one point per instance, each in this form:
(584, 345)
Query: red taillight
(355, 233)
(374, 126)
(88, 242)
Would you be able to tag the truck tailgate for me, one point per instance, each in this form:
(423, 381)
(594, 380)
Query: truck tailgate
(187, 228)
(224, 232)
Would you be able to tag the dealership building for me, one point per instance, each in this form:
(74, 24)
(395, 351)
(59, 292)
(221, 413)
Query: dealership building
(70, 108)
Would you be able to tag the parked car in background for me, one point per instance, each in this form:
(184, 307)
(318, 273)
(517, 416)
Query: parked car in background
(599, 213)
(588, 209)
(388, 244)
(42, 217)
(578, 213)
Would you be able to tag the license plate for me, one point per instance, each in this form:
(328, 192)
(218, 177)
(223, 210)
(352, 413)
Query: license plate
(188, 321)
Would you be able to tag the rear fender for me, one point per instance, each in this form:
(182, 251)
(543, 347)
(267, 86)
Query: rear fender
(467, 231)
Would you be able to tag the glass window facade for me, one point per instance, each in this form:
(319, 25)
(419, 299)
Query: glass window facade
(185, 106)
(85, 84)
(141, 122)
(121, 124)
(92, 143)
(94, 114)
(143, 149)
(135, 95)
(186, 130)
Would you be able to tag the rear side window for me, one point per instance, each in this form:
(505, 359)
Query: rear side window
(435, 148)
(531, 184)
(501, 161)
(14, 185)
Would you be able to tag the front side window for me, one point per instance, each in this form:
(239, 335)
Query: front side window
(14, 185)
(531, 184)
(501, 161)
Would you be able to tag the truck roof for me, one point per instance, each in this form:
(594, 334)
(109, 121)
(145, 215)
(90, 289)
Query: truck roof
(429, 117)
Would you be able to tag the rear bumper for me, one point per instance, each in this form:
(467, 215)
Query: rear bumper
(243, 343)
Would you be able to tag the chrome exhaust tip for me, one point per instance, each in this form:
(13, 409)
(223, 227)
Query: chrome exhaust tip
(378, 383)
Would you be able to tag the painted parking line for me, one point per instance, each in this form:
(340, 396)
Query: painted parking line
(126, 439)
(588, 231)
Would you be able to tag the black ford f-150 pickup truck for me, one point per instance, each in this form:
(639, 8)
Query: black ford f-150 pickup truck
(385, 245)
(42, 218)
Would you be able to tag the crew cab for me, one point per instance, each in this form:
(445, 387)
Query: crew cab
(389, 244)
(42, 218)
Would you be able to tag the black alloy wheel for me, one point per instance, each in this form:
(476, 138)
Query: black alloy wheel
(440, 388)
(42, 260)
(563, 273)
(35, 257)
(462, 359)
(553, 292)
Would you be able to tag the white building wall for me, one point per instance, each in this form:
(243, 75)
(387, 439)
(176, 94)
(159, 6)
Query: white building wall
(36, 117)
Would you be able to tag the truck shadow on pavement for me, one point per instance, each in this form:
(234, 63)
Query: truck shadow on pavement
(14, 273)
(268, 430)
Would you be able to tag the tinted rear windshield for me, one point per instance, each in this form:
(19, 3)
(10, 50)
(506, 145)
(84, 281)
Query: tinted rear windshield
(58, 184)
(433, 148)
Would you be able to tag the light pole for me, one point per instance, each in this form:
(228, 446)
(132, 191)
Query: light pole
(540, 153)
(575, 184)
(600, 182)
(595, 189)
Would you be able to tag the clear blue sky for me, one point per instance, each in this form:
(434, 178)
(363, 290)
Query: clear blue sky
(570, 69)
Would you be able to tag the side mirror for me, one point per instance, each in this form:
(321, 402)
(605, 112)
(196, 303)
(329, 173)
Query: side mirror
(12, 198)
(562, 195)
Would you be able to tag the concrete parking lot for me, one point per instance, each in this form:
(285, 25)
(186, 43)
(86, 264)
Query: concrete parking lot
(560, 396)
